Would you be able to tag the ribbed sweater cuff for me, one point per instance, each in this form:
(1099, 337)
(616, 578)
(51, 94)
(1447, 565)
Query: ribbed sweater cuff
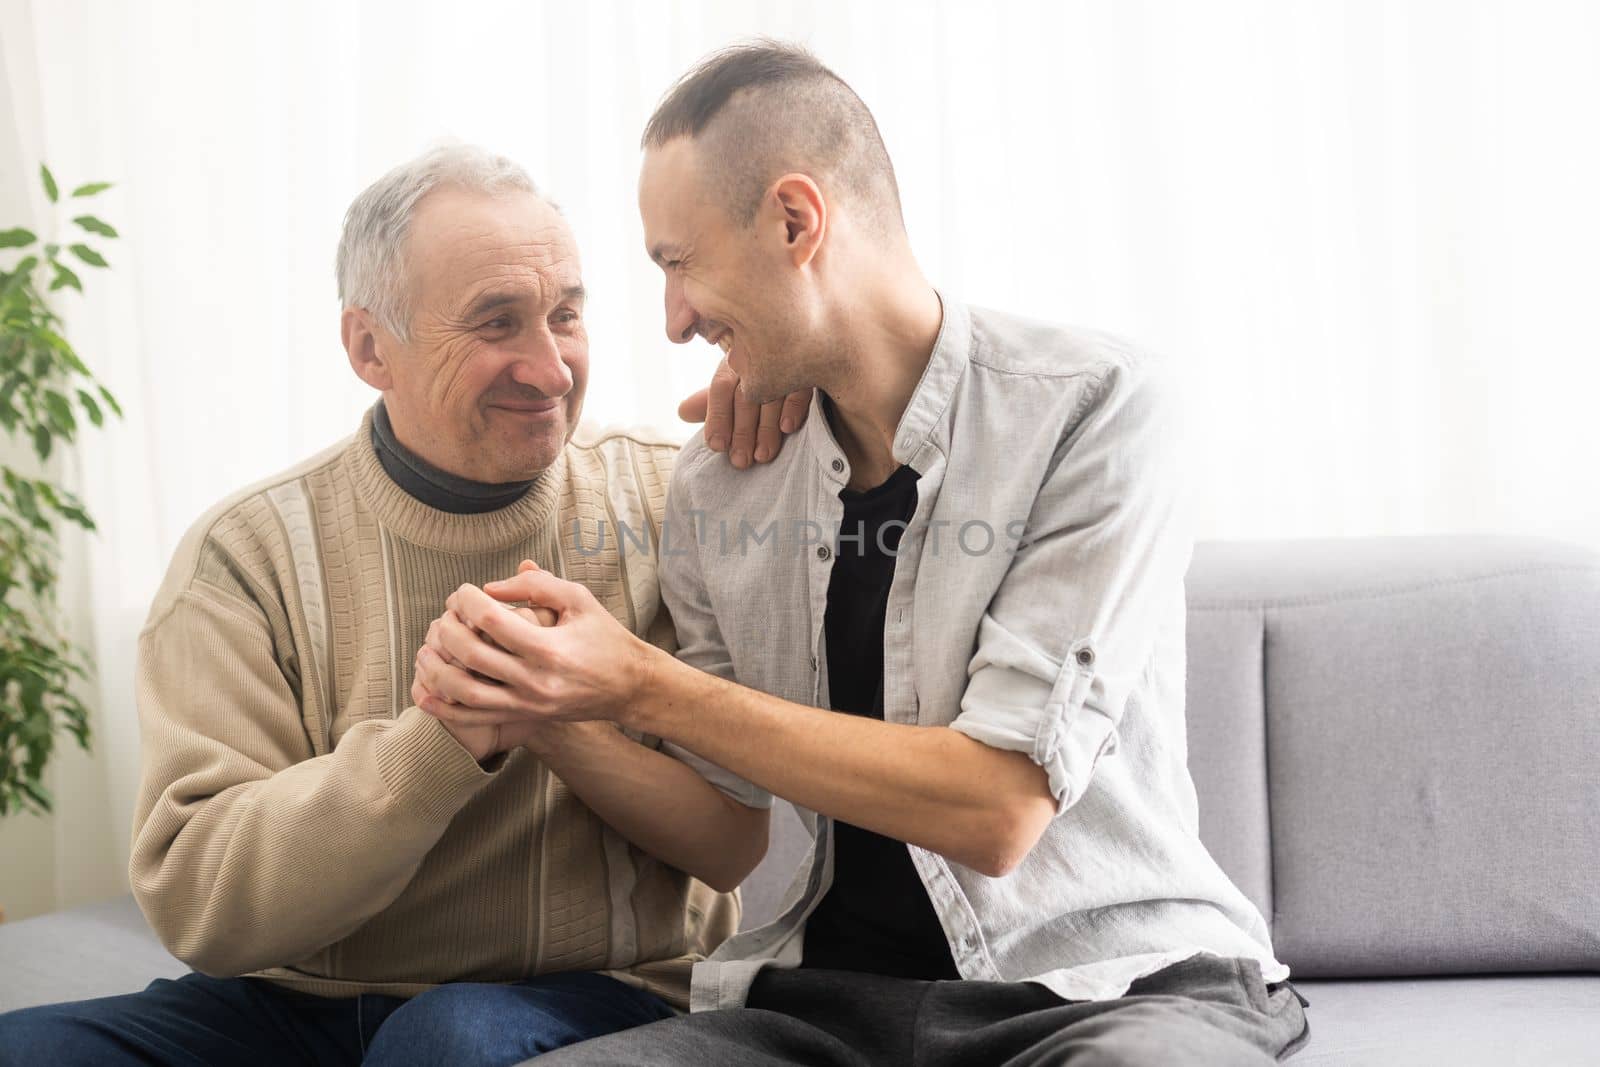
(426, 769)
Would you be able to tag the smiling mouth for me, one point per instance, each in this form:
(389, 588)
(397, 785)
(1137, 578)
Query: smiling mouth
(533, 408)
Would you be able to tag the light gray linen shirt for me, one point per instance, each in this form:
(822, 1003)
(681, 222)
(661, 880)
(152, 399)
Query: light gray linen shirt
(1037, 606)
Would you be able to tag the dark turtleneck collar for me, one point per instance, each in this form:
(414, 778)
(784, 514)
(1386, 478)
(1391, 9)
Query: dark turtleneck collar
(432, 486)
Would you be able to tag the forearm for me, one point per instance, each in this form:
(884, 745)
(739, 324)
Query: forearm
(928, 786)
(980, 806)
(656, 802)
(238, 875)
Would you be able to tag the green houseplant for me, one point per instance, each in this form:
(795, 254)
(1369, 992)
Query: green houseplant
(44, 389)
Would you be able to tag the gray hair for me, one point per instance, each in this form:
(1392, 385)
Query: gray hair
(370, 265)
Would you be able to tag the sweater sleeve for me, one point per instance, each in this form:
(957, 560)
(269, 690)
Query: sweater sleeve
(249, 851)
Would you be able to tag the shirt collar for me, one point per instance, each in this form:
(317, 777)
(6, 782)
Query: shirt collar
(930, 400)
(952, 351)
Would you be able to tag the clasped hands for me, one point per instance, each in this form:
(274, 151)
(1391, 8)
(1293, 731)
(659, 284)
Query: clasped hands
(500, 676)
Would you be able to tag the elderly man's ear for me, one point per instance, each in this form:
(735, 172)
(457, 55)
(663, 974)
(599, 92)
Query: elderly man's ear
(742, 428)
(361, 345)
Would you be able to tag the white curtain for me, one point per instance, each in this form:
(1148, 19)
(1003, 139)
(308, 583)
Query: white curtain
(1366, 229)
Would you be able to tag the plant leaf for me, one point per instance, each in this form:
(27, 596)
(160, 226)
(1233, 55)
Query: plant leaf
(89, 256)
(49, 180)
(94, 225)
(17, 237)
(60, 412)
(37, 793)
(68, 356)
(19, 277)
(60, 344)
(91, 188)
(64, 277)
(41, 442)
(111, 401)
(27, 505)
(79, 516)
(96, 416)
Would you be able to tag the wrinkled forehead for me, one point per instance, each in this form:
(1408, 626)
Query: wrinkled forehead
(461, 242)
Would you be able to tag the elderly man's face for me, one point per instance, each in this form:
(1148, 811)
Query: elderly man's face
(491, 382)
(727, 283)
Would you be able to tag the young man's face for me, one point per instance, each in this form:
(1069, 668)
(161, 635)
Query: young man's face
(729, 283)
(490, 384)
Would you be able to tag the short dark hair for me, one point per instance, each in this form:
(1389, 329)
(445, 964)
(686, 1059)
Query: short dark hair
(765, 107)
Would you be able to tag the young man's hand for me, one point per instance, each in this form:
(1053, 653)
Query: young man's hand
(484, 667)
(482, 733)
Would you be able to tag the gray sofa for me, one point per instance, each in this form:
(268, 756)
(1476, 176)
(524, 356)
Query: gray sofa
(1396, 745)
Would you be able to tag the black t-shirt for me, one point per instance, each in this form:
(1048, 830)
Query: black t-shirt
(876, 917)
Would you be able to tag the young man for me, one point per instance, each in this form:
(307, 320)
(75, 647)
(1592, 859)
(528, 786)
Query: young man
(947, 623)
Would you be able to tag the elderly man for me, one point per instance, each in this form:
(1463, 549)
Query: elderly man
(352, 879)
(947, 623)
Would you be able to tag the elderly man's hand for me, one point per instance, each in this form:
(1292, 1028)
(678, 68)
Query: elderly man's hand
(493, 667)
(480, 732)
(741, 427)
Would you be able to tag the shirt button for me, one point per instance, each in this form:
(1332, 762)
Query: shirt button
(838, 466)
(823, 552)
(1085, 657)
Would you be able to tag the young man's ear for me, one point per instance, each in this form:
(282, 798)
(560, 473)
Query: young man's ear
(804, 214)
(360, 337)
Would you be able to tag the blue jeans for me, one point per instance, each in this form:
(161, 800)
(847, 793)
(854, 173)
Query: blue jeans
(201, 1020)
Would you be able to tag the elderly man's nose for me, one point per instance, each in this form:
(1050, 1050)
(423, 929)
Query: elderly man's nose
(542, 367)
(552, 380)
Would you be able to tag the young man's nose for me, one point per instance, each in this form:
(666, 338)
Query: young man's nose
(681, 317)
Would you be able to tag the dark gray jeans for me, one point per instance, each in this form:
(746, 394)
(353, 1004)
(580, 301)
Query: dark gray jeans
(1206, 1011)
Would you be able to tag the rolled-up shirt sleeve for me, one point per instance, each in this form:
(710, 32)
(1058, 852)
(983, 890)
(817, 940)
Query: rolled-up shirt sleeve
(1069, 634)
(700, 641)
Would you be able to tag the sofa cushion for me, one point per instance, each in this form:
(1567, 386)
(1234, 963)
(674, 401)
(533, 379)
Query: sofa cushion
(1433, 729)
(94, 951)
(1226, 714)
(1492, 1021)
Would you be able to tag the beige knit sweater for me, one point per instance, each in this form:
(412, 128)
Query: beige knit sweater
(300, 821)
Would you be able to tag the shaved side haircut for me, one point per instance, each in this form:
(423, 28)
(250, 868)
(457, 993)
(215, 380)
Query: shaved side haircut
(763, 109)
